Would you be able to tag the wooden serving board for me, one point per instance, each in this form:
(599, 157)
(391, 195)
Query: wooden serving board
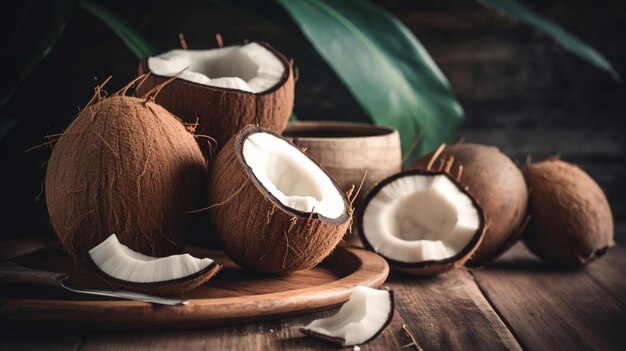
(233, 296)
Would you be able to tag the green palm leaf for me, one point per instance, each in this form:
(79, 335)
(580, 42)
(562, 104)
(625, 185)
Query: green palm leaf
(385, 68)
(133, 40)
(518, 11)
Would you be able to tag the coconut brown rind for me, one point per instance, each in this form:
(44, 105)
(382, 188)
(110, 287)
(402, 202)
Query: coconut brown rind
(571, 222)
(163, 288)
(222, 112)
(498, 185)
(430, 267)
(341, 341)
(256, 230)
(124, 166)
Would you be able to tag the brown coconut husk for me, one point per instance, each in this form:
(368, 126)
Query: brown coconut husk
(222, 112)
(125, 166)
(571, 222)
(498, 185)
(431, 267)
(256, 230)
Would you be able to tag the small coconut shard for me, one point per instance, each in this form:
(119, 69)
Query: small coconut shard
(124, 166)
(176, 274)
(273, 209)
(423, 222)
(498, 186)
(225, 88)
(361, 319)
(571, 222)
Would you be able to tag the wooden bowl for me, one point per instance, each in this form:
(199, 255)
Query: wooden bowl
(346, 150)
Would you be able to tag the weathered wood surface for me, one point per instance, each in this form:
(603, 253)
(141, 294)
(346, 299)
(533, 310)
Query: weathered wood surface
(515, 303)
(234, 296)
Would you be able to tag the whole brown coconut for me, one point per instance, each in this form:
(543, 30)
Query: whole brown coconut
(222, 112)
(125, 166)
(498, 186)
(254, 227)
(571, 222)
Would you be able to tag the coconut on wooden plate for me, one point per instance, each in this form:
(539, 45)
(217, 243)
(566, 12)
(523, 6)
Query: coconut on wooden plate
(498, 186)
(422, 222)
(273, 209)
(224, 89)
(571, 222)
(127, 166)
(122, 267)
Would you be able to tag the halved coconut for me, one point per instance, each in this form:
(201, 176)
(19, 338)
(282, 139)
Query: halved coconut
(423, 222)
(119, 265)
(224, 89)
(273, 208)
(359, 320)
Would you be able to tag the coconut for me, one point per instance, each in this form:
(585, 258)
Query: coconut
(273, 208)
(127, 166)
(361, 319)
(571, 222)
(422, 222)
(120, 266)
(499, 188)
(224, 89)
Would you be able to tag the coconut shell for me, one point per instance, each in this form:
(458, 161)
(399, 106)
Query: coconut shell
(222, 112)
(256, 230)
(165, 288)
(571, 222)
(125, 166)
(499, 187)
(432, 267)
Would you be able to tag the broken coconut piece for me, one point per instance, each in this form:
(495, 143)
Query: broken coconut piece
(423, 222)
(359, 320)
(223, 89)
(273, 209)
(121, 266)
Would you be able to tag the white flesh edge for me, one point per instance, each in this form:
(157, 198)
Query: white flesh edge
(359, 319)
(419, 218)
(291, 177)
(251, 67)
(120, 262)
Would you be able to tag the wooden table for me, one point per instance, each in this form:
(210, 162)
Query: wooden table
(515, 303)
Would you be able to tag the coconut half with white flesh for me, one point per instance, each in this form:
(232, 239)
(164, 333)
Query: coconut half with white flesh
(223, 89)
(361, 319)
(272, 208)
(118, 265)
(423, 222)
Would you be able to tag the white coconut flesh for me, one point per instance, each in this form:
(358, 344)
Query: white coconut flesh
(251, 67)
(291, 177)
(120, 262)
(366, 312)
(418, 218)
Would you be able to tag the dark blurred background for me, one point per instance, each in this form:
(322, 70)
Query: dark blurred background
(521, 92)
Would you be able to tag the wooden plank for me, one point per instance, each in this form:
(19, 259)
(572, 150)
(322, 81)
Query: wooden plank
(280, 334)
(550, 308)
(41, 340)
(449, 312)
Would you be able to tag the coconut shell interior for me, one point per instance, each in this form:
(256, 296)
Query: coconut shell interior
(222, 112)
(255, 229)
(163, 288)
(498, 185)
(429, 267)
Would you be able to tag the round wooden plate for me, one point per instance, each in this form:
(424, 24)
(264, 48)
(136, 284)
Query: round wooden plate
(233, 296)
